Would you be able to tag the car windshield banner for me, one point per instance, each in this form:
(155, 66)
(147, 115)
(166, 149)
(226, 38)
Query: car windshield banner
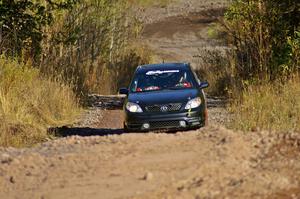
(159, 72)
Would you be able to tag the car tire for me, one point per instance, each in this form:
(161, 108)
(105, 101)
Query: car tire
(125, 128)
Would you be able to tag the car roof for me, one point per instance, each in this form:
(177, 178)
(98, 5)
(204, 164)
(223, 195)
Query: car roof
(164, 66)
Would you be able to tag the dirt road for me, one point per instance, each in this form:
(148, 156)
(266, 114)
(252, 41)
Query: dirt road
(179, 32)
(209, 163)
(95, 159)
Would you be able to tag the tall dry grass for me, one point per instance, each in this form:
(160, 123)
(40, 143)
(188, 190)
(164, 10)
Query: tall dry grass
(270, 106)
(93, 46)
(29, 104)
(122, 73)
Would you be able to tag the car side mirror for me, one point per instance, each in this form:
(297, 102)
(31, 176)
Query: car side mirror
(123, 91)
(204, 84)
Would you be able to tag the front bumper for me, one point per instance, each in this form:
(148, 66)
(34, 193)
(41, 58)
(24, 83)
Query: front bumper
(192, 119)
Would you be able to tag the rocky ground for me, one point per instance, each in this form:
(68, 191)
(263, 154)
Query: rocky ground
(95, 159)
(210, 163)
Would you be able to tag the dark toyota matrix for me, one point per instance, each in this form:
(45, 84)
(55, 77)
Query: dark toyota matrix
(165, 96)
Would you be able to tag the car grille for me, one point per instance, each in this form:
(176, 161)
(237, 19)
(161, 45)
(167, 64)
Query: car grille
(164, 108)
(164, 124)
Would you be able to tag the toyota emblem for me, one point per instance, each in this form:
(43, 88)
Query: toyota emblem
(164, 108)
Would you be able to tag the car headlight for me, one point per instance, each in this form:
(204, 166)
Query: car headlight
(193, 103)
(133, 107)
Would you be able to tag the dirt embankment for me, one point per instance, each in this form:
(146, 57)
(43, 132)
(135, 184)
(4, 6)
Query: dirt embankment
(96, 160)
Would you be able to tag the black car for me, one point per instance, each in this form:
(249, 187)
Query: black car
(165, 96)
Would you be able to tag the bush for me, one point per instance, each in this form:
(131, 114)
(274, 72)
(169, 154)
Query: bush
(29, 104)
(272, 106)
(265, 37)
(214, 66)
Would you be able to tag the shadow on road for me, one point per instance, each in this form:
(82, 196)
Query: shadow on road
(69, 131)
(85, 131)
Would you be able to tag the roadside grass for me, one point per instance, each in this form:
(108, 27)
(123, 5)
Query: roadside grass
(270, 106)
(108, 80)
(30, 104)
(216, 31)
(214, 66)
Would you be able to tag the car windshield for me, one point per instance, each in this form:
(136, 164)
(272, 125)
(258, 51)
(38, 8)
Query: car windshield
(154, 80)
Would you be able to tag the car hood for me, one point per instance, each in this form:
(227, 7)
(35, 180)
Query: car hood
(163, 97)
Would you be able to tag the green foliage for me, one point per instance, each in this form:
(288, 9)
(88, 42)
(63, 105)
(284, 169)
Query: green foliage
(30, 104)
(264, 36)
(22, 23)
